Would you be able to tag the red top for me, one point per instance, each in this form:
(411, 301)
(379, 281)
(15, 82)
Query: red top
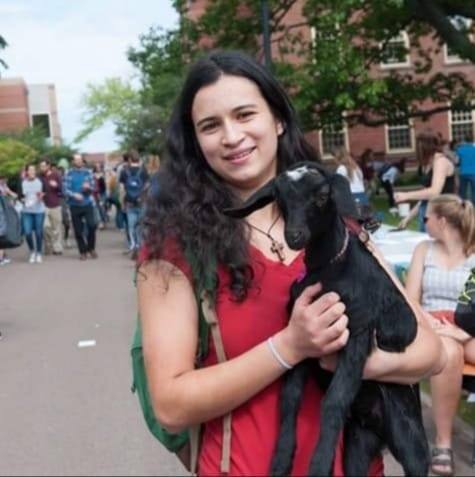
(255, 424)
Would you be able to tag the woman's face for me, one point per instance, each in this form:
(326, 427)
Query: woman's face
(237, 132)
(31, 172)
(434, 223)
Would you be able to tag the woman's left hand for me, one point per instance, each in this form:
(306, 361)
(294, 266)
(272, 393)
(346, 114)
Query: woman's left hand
(452, 331)
(399, 197)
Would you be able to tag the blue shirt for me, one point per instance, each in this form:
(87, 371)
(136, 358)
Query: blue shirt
(466, 154)
(74, 184)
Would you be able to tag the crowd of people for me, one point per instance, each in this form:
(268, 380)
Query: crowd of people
(232, 130)
(55, 199)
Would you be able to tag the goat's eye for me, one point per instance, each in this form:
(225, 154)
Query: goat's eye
(321, 200)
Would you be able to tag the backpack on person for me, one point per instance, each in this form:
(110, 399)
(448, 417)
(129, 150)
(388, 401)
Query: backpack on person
(134, 184)
(10, 228)
(185, 444)
(465, 311)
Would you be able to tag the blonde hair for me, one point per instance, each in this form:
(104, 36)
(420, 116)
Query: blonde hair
(342, 157)
(460, 214)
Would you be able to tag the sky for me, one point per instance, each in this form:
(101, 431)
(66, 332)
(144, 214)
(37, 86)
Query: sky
(70, 43)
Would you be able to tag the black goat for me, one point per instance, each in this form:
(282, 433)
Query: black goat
(313, 203)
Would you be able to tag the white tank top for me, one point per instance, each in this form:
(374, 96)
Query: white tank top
(441, 287)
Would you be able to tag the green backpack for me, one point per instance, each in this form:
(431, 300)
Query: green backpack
(176, 443)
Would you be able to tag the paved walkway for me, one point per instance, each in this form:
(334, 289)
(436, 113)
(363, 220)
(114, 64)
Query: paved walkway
(67, 410)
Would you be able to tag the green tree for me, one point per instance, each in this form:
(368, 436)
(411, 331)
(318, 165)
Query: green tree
(36, 140)
(330, 75)
(114, 100)
(14, 155)
(3, 45)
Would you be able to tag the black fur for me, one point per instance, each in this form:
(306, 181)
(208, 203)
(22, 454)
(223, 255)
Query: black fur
(372, 414)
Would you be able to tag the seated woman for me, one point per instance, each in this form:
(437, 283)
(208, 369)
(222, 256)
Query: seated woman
(438, 272)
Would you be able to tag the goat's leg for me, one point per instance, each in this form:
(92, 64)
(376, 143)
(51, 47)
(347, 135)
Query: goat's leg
(345, 385)
(290, 400)
(405, 434)
(396, 324)
(361, 446)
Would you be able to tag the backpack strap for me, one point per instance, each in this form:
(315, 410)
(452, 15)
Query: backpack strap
(209, 314)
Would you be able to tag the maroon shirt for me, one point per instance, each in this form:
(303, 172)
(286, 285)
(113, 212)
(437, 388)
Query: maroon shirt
(53, 194)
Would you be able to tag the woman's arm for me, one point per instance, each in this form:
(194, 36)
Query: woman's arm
(412, 214)
(440, 172)
(425, 355)
(415, 272)
(183, 396)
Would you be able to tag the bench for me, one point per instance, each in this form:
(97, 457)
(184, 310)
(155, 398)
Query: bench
(468, 384)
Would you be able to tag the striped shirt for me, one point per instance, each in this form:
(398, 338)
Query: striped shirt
(441, 287)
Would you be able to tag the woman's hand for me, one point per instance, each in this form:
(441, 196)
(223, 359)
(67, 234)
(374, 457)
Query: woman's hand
(400, 197)
(316, 328)
(403, 223)
(448, 329)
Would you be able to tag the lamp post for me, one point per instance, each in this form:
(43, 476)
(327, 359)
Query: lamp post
(266, 34)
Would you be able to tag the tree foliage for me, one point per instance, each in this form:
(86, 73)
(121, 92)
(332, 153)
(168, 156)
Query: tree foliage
(329, 74)
(14, 155)
(35, 139)
(3, 45)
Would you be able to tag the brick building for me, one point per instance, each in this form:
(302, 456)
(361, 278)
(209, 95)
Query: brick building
(395, 140)
(23, 105)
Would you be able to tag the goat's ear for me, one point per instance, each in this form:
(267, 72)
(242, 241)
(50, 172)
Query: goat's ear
(342, 197)
(265, 195)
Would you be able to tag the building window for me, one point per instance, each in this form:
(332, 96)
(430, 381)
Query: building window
(396, 52)
(461, 125)
(399, 136)
(332, 137)
(461, 24)
(41, 121)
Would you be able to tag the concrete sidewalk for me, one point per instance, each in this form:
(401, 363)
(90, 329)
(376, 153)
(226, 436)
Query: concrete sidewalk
(462, 444)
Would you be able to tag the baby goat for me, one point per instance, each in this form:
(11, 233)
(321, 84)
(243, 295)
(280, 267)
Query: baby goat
(372, 414)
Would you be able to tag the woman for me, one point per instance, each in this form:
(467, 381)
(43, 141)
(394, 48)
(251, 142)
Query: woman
(232, 130)
(437, 177)
(33, 213)
(348, 168)
(438, 272)
(5, 191)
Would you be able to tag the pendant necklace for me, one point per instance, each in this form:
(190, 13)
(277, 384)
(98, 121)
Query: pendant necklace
(277, 248)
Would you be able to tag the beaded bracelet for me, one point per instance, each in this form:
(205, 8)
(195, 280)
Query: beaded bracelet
(277, 356)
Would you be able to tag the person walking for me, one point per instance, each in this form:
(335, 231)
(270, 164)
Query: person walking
(348, 167)
(52, 186)
(5, 191)
(437, 275)
(133, 180)
(78, 188)
(466, 154)
(437, 176)
(33, 213)
(232, 130)
(388, 177)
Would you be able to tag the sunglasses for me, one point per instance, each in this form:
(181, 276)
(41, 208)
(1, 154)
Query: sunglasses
(425, 219)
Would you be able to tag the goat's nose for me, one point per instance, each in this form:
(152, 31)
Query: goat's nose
(295, 235)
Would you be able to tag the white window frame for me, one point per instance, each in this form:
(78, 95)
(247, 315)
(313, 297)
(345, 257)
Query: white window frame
(472, 121)
(401, 149)
(346, 142)
(455, 59)
(401, 64)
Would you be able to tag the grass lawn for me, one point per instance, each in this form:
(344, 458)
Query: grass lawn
(380, 204)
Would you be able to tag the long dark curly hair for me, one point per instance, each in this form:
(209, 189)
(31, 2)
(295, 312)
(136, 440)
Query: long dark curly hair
(186, 197)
